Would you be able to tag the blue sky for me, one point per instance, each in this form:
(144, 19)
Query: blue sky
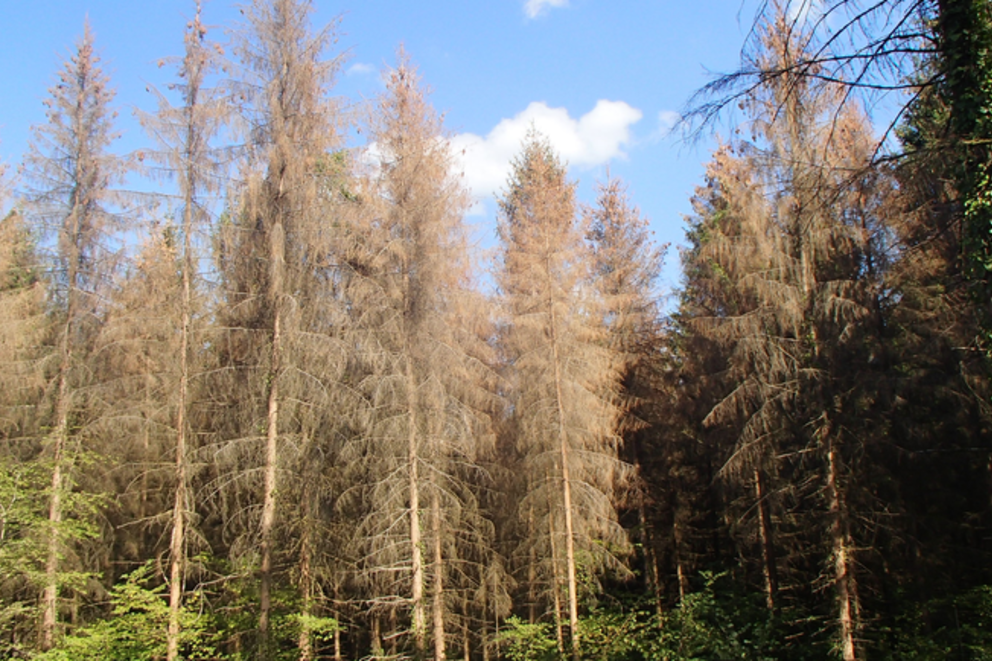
(604, 80)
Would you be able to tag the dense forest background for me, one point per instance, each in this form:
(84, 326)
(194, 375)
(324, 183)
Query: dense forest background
(268, 411)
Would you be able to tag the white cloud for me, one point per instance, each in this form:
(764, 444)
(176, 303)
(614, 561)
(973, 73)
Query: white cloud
(360, 69)
(534, 8)
(593, 139)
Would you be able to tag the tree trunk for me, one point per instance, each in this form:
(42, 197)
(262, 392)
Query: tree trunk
(556, 588)
(305, 642)
(60, 439)
(177, 550)
(566, 488)
(466, 631)
(338, 653)
(767, 542)
(417, 596)
(840, 538)
(531, 571)
(376, 637)
(51, 595)
(484, 629)
(277, 244)
(437, 605)
(681, 575)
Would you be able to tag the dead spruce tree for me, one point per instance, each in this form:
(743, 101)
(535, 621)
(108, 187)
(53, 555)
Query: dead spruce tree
(424, 371)
(273, 348)
(626, 267)
(563, 380)
(185, 153)
(795, 240)
(70, 172)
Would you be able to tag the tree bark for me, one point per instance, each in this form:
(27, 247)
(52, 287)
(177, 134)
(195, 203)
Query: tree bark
(437, 605)
(566, 482)
(60, 439)
(277, 251)
(417, 562)
(305, 642)
(840, 538)
(767, 542)
(177, 551)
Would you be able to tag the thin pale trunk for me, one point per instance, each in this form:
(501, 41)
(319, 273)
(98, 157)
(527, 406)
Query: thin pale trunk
(556, 588)
(277, 261)
(51, 595)
(417, 597)
(305, 642)
(376, 635)
(466, 633)
(681, 575)
(177, 551)
(338, 655)
(496, 644)
(177, 556)
(767, 541)
(847, 606)
(60, 439)
(437, 605)
(484, 630)
(566, 486)
(531, 572)
(146, 448)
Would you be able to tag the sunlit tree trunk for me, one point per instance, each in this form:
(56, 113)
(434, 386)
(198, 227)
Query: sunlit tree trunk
(437, 604)
(842, 552)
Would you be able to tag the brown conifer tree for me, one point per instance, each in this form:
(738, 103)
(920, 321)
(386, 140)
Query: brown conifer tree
(425, 367)
(71, 171)
(275, 344)
(184, 134)
(563, 379)
(798, 242)
(626, 267)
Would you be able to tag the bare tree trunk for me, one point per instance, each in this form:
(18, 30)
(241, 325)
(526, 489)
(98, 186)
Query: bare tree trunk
(60, 439)
(531, 571)
(338, 654)
(305, 642)
(680, 573)
(417, 596)
(767, 541)
(484, 630)
(466, 631)
(49, 619)
(566, 488)
(277, 252)
(840, 538)
(437, 605)
(556, 587)
(177, 551)
(376, 637)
